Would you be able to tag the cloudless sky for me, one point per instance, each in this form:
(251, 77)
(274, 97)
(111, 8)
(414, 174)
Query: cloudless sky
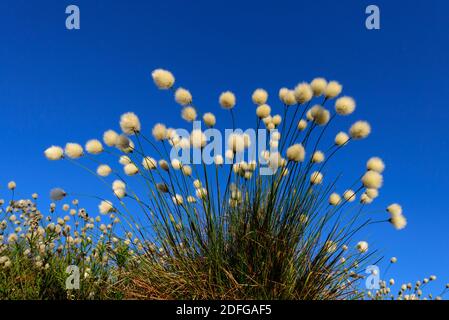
(58, 85)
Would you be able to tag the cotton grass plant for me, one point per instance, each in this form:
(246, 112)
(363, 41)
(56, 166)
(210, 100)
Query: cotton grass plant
(264, 224)
(229, 230)
(36, 247)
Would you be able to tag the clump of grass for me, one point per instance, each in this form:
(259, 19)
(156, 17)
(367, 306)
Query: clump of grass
(239, 224)
(36, 248)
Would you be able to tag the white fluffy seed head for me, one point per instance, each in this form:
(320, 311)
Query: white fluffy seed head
(316, 178)
(334, 199)
(201, 193)
(330, 246)
(319, 115)
(197, 138)
(360, 130)
(372, 179)
(183, 96)
(333, 89)
(260, 96)
(106, 207)
(287, 96)
(163, 79)
(94, 146)
(130, 123)
(303, 93)
(149, 163)
(275, 135)
(189, 114)
(218, 160)
(54, 153)
(11, 185)
(159, 132)
(276, 119)
(349, 195)
(227, 100)
(398, 221)
(263, 111)
(341, 138)
(118, 184)
(345, 106)
(130, 169)
(176, 164)
(318, 157)
(197, 184)
(122, 143)
(104, 170)
(184, 143)
(302, 124)
(73, 150)
(110, 138)
(209, 119)
(394, 209)
(375, 164)
(296, 153)
(229, 154)
(372, 193)
(177, 199)
(236, 142)
(318, 86)
(362, 246)
(124, 160)
(365, 199)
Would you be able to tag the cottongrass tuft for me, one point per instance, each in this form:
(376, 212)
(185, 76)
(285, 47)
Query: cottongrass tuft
(57, 194)
(341, 139)
(163, 79)
(131, 169)
(362, 246)
(259, 97)
(345, 106)
(303, 93)
(106, 207)
(287, 96)
(94, 146)
(54, 153)
(209, 119)
(189, 114)
(296, 153)
(104, 170)
(318, 86)
(130, 123)
(73, 150)
(360, 130)
(372, 179)
(159, 132)
(263, 111)
(375, 164)
(334, 199)
(183, 96)
(227, 100)
(333, 89)
(316, 178)
(110, 138)
(149, 163)
(229, 227)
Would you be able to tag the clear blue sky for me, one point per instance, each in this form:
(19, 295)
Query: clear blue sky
(58, 85)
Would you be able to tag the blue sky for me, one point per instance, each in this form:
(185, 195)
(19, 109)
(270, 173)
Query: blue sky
(58, 85)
